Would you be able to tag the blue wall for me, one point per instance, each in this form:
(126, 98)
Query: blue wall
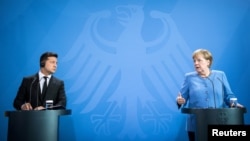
(123, 62)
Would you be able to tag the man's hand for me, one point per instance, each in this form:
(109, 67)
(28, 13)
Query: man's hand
(39, 108)
(26, 106)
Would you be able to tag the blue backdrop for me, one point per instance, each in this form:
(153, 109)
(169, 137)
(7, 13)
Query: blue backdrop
(122, 61)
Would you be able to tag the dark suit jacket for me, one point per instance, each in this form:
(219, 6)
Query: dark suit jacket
(29, 91)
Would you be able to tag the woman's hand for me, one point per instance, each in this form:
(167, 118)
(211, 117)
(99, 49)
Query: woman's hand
(180, 100)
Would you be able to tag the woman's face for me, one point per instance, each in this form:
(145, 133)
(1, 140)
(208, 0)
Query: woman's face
(201, 65)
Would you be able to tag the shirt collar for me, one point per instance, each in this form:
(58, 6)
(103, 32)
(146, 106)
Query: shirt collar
(41, 75)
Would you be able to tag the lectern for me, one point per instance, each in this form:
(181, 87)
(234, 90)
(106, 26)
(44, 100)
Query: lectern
(222, 116)
(34, 125)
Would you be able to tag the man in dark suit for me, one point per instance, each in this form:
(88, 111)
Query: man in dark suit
(33, 91)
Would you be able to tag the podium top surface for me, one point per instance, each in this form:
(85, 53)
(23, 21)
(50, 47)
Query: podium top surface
(38, 112)
(195, 110)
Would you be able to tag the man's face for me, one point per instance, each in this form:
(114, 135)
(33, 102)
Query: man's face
(50, 65)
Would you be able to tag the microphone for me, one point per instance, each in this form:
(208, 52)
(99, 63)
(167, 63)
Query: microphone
(223, 91)
(213, 91)
(31, 88)
(37, 92)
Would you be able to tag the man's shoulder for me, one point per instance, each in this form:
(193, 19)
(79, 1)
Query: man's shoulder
(32, 76)
(54, 78)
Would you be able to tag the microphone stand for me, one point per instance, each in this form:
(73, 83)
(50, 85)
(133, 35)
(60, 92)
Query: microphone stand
(223, 91)
(31, 89)
(213, 91)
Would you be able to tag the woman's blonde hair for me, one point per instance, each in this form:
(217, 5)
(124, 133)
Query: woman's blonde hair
(205, 53)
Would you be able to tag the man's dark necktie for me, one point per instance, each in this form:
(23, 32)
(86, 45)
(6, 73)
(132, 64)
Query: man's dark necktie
(44, 85)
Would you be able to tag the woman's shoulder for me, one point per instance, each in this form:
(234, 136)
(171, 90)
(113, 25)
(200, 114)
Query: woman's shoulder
(217, 72)
(193, 73)
(214, 72)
